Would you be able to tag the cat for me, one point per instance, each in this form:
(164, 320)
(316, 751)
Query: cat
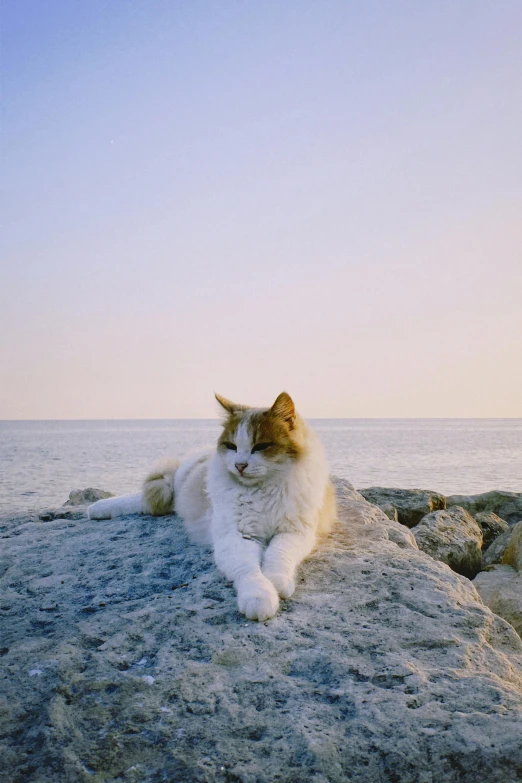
(260, 499)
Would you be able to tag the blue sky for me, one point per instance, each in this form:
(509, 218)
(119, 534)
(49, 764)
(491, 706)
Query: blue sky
(245, 197)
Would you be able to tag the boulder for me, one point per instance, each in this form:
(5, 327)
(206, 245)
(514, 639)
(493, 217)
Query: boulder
(508, 505)
(500, 587)
(513, 553)
(389, 510)
(411, 504)
(495, 552)
(125, 658)
(61, 513)
(452, 537)
(492, 526)
(83, 497)
(78, 497)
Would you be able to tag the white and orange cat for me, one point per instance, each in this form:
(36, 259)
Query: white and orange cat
(260, 499)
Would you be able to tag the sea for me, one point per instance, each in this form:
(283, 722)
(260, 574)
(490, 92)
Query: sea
(42, 461)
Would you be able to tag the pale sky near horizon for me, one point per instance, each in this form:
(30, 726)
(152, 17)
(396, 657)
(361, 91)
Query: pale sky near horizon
(322, 197)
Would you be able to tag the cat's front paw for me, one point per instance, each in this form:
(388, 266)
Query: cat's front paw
(258, 601)
(101, 509)
(284, 584)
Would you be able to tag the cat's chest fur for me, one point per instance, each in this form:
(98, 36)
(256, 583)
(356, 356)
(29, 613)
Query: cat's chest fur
(259, 511)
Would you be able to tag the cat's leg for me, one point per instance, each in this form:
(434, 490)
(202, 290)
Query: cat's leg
(240, 560)
(283, 554)
(110, 508)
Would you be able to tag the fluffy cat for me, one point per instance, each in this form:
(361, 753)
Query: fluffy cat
(259, 499)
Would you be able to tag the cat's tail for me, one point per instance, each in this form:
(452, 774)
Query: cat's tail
(157, 496)
(158, 488)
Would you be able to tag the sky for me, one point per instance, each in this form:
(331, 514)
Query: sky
(241, 197)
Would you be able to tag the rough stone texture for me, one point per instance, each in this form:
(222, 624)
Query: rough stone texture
(82, 497)
(124, 659)
(495, 552)
(513, 553)
(453, 537)
(500, 587)
(492, 526)
(389, 510)
(61, 513)
(508, 505)
(411, 504)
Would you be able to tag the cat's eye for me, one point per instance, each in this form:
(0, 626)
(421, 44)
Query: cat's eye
(231, 446)
(261, 447)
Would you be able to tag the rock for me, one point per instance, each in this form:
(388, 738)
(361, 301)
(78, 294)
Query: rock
(411, 504)
(513, 553)
(500, 587)
(495, 552)
(453, 537)
(83, 497)
(384, 666)
(493, 579)
(508, 505)
(60, 513)
(389, 510)
(492, 526)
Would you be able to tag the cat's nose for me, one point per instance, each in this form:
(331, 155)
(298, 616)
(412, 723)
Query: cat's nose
(241, 466)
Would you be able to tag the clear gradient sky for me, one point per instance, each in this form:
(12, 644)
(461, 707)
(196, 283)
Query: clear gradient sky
(323, 197)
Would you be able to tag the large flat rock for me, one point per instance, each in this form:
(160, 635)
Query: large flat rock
(385, 666)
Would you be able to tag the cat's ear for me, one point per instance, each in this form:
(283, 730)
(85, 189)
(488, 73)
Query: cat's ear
(228, 406)
(284, 408)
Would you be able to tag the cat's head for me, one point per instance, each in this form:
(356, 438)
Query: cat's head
(259, 442)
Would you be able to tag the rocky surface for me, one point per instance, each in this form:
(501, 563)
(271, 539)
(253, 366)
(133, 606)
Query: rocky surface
(124, 659)
(513, 553)
(453, 537)
(500, 587)
(411, 504)
(491, 525)
(495, 552)
(508, 505)
(389, 510)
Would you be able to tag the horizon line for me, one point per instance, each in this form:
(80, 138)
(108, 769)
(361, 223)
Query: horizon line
(316, 418)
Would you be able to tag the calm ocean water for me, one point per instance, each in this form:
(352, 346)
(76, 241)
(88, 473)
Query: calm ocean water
(42, 461)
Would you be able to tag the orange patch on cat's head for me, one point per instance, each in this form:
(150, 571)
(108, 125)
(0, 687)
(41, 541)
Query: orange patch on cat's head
(279, 426)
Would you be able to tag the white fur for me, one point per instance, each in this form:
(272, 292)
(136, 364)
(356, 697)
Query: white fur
(192, 502)
(110, 508)
(261, 525)
(261, 531)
